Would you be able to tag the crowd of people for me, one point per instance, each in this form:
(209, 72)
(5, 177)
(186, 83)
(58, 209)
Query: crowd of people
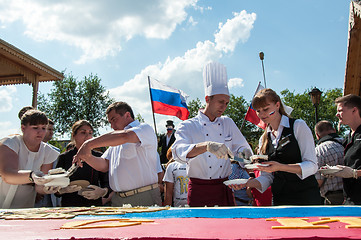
(193, 161)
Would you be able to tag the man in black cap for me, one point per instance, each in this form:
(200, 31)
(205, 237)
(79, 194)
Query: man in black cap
(166, 141)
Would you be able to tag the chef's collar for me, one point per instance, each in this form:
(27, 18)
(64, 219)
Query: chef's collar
(204, 118)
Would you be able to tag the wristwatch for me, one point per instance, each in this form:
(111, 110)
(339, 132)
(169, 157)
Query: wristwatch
(31, 179)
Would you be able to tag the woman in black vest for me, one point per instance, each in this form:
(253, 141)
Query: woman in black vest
(290, 147)
(82, 130)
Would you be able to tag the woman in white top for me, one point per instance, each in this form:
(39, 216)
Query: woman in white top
(23, 161)
(290, 147)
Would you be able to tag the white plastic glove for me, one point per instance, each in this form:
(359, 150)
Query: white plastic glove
(93, 194)
(50, 189)
(346, 172)
(245, 154)
(38, 178)
(219, 149)
(70, 189)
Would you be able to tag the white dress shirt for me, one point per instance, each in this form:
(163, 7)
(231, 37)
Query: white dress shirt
(201, 129)
(306, 144)
(133, 165)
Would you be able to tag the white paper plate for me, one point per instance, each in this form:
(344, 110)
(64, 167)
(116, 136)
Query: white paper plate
(255, 165)
(329, 170)
(235, 181)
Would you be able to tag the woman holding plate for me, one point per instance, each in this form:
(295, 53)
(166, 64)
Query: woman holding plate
(290, 147)
(87, 185)
(23, 161)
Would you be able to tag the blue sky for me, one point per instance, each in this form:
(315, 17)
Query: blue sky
(305, 45)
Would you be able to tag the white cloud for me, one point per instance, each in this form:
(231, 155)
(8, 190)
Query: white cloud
(99, 28)
(6, 98)
(7, 128)
(191, 21)
(234, 30)
(235, 82)
(184, 72)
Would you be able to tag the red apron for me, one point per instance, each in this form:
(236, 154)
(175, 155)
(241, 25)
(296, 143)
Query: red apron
(209, 193)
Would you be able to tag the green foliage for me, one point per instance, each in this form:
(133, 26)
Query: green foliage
(237, 109)
(139, 118)
(194, 106)
(71, 100)
(304, 109)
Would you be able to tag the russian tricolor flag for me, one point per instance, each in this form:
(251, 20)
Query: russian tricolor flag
(251, 115)
(167, 100)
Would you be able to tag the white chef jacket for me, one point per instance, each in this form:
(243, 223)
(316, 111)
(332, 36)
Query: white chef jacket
(25, 194)
(133, 165)
(306, 144)
(200, 129)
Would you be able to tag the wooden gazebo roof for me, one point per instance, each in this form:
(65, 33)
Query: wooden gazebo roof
(18, 67)
(352, 83)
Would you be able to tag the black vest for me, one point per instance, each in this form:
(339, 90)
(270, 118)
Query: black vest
(288, 188)
(352, 186)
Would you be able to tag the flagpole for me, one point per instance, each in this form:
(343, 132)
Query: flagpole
(261, 56)
(244, 119)
(151, 103)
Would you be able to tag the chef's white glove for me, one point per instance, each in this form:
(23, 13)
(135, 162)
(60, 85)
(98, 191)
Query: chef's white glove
(38, 178)
(94, 194)
(245, 154)
(50, 189)
(70, 189)
(346, 172)
(219, 149)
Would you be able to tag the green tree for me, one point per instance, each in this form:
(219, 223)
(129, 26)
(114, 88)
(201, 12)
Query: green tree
(237, 109)
(139, 118)
(303, 108)
(71, 100)
(194, 106)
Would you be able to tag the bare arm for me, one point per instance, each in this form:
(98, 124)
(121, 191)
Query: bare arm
(109, 139)
(114, 138)
(168, 196)
(9, 166)
(276, 166)
(160, 181)
(320, 182)
(46, 167)
(197, 150)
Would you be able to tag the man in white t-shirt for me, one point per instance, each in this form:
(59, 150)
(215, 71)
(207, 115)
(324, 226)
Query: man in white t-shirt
(131, 158)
